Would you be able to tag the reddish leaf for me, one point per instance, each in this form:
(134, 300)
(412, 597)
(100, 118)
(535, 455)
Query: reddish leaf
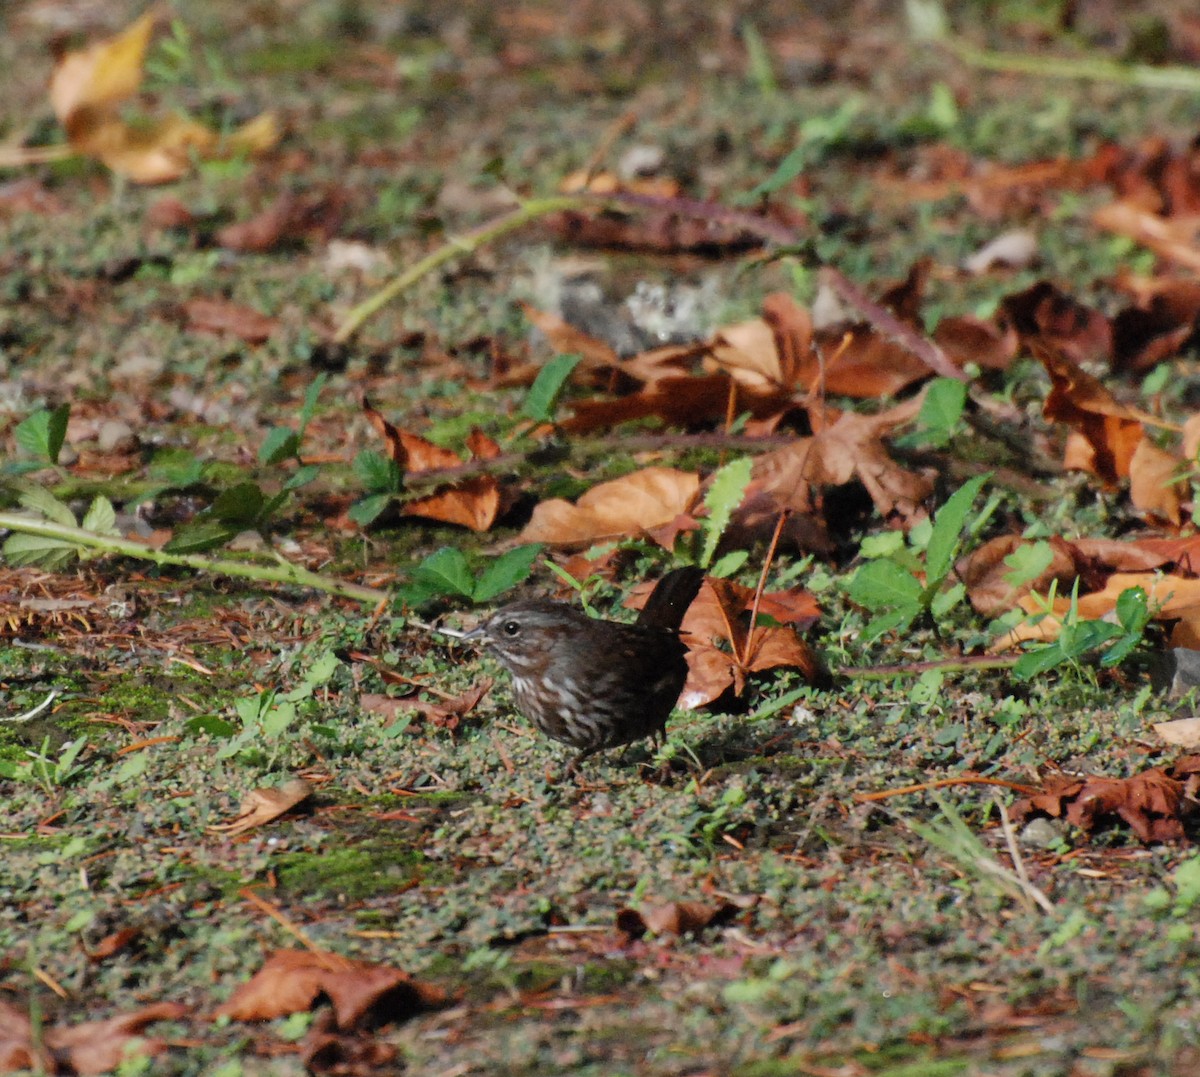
(673, 917)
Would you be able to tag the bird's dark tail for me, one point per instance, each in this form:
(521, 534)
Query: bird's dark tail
(669, 600)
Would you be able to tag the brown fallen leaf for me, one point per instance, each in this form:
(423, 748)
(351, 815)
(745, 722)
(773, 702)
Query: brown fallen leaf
(262, 805)
(221, 316)
(1045, 315)
(446, 713)
(292, 981)
(316, 216)
(630, 505)
(721, 652)
(1156, 486)
(1107, 432)
(475, 502)
(1154, 803)
(851, 449)
(673, 917)
(93, 1047)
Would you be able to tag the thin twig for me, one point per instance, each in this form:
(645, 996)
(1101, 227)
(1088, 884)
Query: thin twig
(36, 710)
(1034, 893)
(335, 961)
(943, 783)
(884, 321)
(966, 664)
(744, 662)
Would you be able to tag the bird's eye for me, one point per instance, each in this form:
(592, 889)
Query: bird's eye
(510, 628)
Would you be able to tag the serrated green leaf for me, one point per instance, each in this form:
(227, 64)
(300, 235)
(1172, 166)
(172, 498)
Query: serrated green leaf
(506, 571)
(39, 500)
(883, 585)
(367, 511)
(377, 473)
(1026, 563)
(42, 433)
(100, 518)
(543, 394)
(884, 544)
(447, 569)
(279, 444)
(239, 506)
(947, 526)
(201, 535)
(724, 495)
(1133, 609)
(51, 553)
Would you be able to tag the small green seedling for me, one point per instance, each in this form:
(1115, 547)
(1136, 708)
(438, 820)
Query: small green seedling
(447, 573)
(892, 585)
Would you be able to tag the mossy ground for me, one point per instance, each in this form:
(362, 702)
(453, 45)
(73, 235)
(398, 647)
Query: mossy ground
(459, 855)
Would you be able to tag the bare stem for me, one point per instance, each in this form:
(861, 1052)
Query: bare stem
(284, 572)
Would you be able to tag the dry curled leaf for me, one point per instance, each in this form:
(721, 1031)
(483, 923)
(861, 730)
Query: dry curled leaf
(1154, 803)
(221, 316)
(291, 981)
(262, 805)
(630, 505)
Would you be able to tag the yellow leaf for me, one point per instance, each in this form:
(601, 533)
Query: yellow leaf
(102, 74)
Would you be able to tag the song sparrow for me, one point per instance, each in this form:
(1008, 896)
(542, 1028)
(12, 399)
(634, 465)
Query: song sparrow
(590, 683)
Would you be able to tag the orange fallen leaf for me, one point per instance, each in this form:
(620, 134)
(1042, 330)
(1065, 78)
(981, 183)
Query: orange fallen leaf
(291, 981)
(475, 502)
(262, 805)
(1156, 486)
(630, 505)
(722, 652)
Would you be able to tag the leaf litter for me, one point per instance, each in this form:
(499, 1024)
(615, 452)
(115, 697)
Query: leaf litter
(846, 391)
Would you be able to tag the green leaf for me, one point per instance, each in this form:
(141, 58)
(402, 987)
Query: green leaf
(39, 500)
(543, 393)
(101, 518)
(43, 433)
(447, 571)
(883, 585)
(366, 511)
(377, 473)
(201, 535)
(1028, 562)
(302, 476)
(941, 411)
(210, 724)
(944, 601)
(239, 506)
(724, 495)
(1133, 609)
(947, 526)
(895, 621)
(1037, 661)
(280, 444)
(506, 571)
(727, 564)
(310, 403)
(50, 553)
